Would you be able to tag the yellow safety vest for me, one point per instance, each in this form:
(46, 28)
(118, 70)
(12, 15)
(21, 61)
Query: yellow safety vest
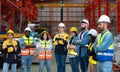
(45, 54)
(27, 51)
(91, 60)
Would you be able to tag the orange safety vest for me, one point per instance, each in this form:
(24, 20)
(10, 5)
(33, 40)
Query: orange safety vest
(27, 51)
(45, 54)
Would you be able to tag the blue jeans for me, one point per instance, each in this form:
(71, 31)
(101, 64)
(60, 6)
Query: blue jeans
(105, 66)
(48, 65)
(61, 61)
(74, 62)
(26, 62)
(84, 63)
(6, 67)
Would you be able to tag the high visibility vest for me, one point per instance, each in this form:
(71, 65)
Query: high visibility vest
(27, 51)
(108, 54)
(91, 60)
(45, 54)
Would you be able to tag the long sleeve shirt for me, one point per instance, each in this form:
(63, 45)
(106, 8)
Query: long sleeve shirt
(83, 43)
(104, 45)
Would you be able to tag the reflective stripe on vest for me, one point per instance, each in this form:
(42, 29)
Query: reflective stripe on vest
(27, 51)
(108, 54)
(45, 54)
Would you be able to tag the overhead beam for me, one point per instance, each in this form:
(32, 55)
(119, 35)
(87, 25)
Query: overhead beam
(60, 5)
(38, 5)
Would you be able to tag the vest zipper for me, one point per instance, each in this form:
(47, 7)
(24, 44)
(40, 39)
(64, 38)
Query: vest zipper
(45, 50)
(28, 44)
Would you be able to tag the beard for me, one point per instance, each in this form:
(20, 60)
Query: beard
(101, 29)
(83, 28)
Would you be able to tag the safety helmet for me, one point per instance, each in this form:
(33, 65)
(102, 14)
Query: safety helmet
(61, 25)
(104, 18)
(74, 29)
(93, 32)
(28, 29)
(10, 31)
(45, 32)
(85, 21)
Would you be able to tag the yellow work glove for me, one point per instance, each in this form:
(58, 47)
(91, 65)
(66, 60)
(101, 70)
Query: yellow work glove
(72, 52)
(10, 49)
(61, 42)
(55, 43)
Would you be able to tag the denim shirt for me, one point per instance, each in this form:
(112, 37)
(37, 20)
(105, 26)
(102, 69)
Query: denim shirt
(82, 44)
(76, 49)
(108, 39)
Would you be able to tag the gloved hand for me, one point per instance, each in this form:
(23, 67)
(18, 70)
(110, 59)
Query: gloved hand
(55, 43)
(61, 42)
(10, 49)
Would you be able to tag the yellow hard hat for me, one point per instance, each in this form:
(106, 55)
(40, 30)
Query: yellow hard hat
(10, 31)
(46, 33)
(73, 29)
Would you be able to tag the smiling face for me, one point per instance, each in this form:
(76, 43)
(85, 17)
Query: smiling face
(45, 36)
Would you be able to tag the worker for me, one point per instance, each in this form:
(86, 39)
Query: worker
(92, 67)
(45, 51)
(10, 52)
(73, 50)
(27, 44)
(82, 40)
(104, 45)
(60, 42)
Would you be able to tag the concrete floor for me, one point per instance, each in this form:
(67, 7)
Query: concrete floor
(35, 67)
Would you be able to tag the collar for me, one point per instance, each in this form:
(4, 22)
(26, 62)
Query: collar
(9, 40)
(104, 31)
(62, 34)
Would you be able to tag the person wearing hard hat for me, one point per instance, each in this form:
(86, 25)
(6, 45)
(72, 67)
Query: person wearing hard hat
(27, 44)
(82, 40)
(45, 51)
(60, 42)
(73, 50)
(104, 45)
(92, 67)
(10, 52)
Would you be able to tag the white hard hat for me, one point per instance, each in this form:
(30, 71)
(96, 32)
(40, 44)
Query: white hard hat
(104, 18)
(93, 32)
(28, 29)
(61, 24)
(85, 21)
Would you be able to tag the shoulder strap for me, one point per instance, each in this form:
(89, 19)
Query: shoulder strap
(82, 34)
(101, 37)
